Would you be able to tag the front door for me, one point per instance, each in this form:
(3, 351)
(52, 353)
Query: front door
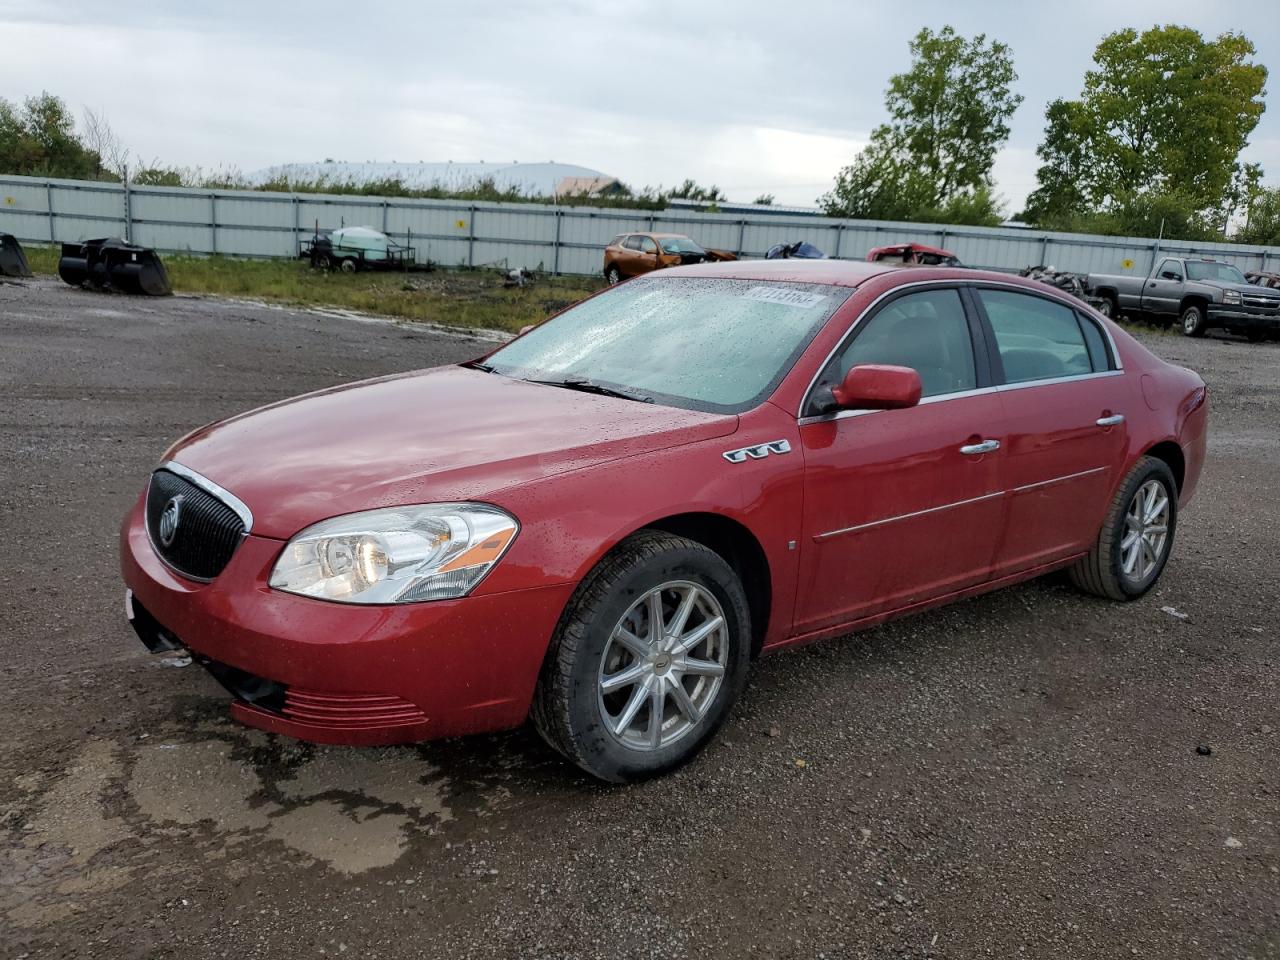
(901, 506)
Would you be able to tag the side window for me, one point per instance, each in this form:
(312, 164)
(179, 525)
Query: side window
(1038, 339)
(1099, 357)
(1171, 270)
(633, 242)
(925, 331)
(647, 245)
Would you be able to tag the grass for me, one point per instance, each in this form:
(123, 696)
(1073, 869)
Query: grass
(456, 297)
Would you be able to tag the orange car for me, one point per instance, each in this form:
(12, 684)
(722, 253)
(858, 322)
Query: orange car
(631, 254)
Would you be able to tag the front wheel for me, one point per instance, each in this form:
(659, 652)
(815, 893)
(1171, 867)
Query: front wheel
(613, 276)
(1109, 308)
(648, 658)
(348, 265)
(1194, 321)
(1136, 537)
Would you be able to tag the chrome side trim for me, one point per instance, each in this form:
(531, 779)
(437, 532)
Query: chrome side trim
(208, 486)
(1024, 384)
(1048, 483)
(818, 538)
(1048, 294)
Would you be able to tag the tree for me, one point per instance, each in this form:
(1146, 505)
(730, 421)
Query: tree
(764, 200)
(41, 139)
(1262, 223)
(1164, 114)
(948, 116)
(99, 138)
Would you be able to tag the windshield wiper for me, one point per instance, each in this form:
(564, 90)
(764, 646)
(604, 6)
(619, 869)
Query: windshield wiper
(589, 386)
(477, 365)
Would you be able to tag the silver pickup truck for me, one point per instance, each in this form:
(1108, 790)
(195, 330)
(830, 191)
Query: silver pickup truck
(1198, 294)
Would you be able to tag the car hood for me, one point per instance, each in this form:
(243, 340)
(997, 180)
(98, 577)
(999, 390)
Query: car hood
(1245, 288)
(436, 435)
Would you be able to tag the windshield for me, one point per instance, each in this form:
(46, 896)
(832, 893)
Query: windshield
(714, 345)
(679, 245)
(1212, 270)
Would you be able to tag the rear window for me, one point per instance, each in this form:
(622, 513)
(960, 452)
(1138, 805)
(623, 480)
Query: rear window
(1037, 339)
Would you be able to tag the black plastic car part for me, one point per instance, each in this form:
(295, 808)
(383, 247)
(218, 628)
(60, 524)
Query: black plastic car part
(108, 264)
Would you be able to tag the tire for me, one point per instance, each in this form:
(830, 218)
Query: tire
(321, 261)
(1103, 571)
(1194, 320)
(1109, 307)
(613, 276)
(348, 265)
(603, 731)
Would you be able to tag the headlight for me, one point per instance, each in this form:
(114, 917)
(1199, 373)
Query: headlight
(1231, 296)
(437, 551)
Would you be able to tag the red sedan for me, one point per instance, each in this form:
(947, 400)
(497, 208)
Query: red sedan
(601, 524)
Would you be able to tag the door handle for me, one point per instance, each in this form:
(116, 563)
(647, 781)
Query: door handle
(1114, 420)
(974, 449)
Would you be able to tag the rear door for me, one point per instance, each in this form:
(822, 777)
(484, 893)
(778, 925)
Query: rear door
(1065, 402)
(901, 506)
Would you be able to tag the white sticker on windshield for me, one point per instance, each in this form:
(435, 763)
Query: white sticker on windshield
(786, 296)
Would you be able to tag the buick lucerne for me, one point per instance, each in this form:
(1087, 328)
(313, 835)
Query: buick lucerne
(599, 525)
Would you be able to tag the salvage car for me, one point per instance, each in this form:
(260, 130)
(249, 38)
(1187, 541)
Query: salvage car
(1197, 293)
(913, 255)
(631, 254)
(602, 523)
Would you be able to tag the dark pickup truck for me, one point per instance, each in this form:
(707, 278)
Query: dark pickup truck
(1199, 294)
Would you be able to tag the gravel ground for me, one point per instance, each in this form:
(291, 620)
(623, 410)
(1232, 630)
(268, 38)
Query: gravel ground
(1016, 775)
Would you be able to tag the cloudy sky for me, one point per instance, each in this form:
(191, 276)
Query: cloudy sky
(753, 96)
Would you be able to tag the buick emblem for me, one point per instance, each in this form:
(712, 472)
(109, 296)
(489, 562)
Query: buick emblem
(169, 520)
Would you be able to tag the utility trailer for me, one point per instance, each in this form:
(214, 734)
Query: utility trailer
(356, 248)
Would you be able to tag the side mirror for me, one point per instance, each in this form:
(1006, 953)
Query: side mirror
(1170, 275)
(878, 386)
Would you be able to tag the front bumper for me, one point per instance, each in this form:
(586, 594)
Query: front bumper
(344, 673)
(1244, 318)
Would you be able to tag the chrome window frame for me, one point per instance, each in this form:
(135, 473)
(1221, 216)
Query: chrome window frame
(1071, 303)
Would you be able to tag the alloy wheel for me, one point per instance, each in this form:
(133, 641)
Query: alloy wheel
(1146, 534)
(663, 665)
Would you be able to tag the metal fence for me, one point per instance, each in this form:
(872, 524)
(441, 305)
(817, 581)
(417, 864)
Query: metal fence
(249, 223)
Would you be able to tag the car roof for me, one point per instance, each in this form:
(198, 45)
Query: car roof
(844, 273)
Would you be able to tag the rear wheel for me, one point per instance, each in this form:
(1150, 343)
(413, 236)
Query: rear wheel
(613, 276)
(348, 265)
(1194, 322)
(1136, 537)
(648, 659)
(1108, 307)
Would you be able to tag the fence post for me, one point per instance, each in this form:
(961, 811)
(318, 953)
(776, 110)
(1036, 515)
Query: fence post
(1044, 250)
(128, 209)
(48, 202)
(297, 222)
(839, 240)
(213, 222)
(742, 236)
(385, 206)
(555, 264)
(471, 238)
